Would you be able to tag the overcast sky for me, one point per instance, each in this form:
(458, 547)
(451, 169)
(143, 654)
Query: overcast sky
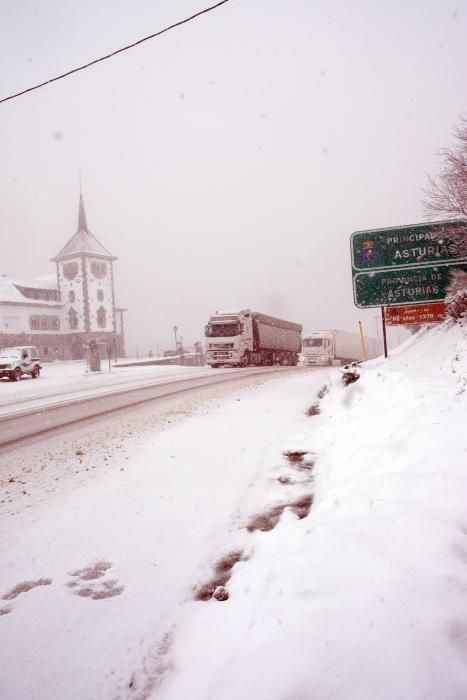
(227, 162)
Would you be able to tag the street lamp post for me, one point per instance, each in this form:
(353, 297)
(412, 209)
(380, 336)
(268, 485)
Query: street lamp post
(175, 332)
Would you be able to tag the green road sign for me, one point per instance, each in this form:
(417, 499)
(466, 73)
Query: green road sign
(409, 246)
(403, 286)
(406, 264)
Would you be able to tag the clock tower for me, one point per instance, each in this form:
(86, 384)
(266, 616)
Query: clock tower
(86, 287)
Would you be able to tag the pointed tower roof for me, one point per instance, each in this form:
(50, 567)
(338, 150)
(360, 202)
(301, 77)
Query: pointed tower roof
(82, 225)
(83, 241)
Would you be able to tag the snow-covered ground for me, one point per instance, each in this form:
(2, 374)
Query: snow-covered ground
(366, 596)
(339, 569)
(105, 533)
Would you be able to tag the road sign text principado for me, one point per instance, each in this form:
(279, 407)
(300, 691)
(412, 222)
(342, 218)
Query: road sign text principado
(406, 246)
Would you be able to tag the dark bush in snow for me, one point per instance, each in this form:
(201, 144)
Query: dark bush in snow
(457, 295)
(350, 373)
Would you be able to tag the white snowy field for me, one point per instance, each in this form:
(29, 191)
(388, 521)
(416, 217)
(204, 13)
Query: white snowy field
(339, 571)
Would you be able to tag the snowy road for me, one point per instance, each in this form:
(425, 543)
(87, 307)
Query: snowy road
(30, 407)
(106, 532)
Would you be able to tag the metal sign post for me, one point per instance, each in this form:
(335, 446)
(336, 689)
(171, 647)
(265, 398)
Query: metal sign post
(383, 321)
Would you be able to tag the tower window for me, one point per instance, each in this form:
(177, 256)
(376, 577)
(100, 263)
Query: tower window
(101, 317)
(100, 295)
(71, 296)
(73, 318)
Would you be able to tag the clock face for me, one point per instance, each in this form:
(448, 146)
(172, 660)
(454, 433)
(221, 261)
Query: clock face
(70, 270)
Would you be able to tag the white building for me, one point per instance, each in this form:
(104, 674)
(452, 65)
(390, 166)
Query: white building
(62, 314)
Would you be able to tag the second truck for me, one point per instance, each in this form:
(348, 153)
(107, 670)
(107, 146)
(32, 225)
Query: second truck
(338, 347)
(243, 338)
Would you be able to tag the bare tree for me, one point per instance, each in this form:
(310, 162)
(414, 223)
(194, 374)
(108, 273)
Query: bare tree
(446, 196)
(446, 193)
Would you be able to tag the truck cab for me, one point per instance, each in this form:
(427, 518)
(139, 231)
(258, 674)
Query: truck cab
(318, 349)
(229, 339)
(19, 360)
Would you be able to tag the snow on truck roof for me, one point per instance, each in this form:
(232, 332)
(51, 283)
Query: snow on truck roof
(315, 334)
(232, 316)
(230, 312)
(277, 322)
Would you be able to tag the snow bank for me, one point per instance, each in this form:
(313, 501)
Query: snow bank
(365, 596)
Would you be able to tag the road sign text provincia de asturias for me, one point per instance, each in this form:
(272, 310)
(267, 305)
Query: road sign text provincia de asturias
(414, 286)
(392, 266)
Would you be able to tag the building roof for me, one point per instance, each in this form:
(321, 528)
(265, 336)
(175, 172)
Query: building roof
(83, 241)
(47, 280)
(32, 292)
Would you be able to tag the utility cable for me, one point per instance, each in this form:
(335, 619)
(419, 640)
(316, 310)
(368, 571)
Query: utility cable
(114, 53)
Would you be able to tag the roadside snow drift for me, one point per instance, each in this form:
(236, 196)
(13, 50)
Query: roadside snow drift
(365, 597)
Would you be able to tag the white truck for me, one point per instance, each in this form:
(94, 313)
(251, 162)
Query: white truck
(242, 338)
(337, 347)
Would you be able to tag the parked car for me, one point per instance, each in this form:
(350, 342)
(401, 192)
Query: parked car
(14, 362)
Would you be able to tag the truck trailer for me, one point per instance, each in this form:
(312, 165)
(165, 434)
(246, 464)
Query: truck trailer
(246, 338)
(337, 347)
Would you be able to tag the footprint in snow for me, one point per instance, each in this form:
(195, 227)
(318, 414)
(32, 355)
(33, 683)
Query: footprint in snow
(20, 588)
(86, 584)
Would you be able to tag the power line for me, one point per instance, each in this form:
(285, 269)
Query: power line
(114, 53)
